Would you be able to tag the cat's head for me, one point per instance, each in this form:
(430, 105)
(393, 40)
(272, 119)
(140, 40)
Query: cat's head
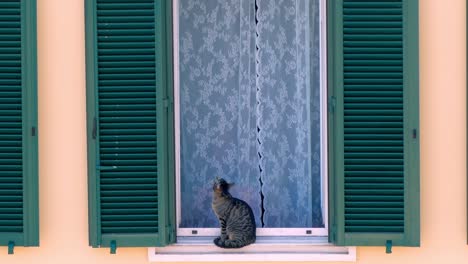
(221, 187)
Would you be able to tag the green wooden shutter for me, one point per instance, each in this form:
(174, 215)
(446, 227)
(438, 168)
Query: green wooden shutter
(19, 219)
(129, 122)
(374, 154)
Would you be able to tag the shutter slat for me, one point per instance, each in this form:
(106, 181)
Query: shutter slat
(103, 65)
(377, 130)
(120, 162)
(109, 20)
(124, 26)
(138, 174)
(130, 223)
(380, 204)
(366, 56)
(108, 213)
(376, 211)
(132, 186)
(126, 181)
(142, 82)
(128, 3)
(375, 161)
(9, 88)
(371, 80)
(375, 217)
(381, 198)
(135, 168)
(128, 113)
(11, 204)
(372, 186)
(129, 199)
(361, 118)
(10, 31)
(10, 24)
(127, 132)
(125, 95)
(372, 63)
(124, 125)
(9, 13)
(376, 44)
(12, 229)
(377, 229)
(365, 144)
(127, 138)
(382, 5)
(122, 13)
(115, 196)
(4, 179)
(17, 211)
(105, 70)
(125, 150)
(378, 222)
(10, 216)
(372, 11)
(124, 59)
(10, 174)
(125, 217)
(124, 5)
(129, 206)
(129, 230)
(127, 107)
(374, 192)
(373, 68)
(11, 5)
(124, 89)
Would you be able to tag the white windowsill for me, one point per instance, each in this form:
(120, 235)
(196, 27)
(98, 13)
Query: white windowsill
(276, 249)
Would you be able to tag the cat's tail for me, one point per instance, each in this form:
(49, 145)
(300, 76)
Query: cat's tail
(233, 243)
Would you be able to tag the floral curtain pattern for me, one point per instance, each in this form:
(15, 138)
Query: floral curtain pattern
(250, 108)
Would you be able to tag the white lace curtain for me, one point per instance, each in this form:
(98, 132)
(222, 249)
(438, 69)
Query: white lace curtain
(250, 108)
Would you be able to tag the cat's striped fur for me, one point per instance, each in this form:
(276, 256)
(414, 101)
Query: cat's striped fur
(235, 216)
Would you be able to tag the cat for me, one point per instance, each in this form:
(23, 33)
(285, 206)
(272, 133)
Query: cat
(235, 216)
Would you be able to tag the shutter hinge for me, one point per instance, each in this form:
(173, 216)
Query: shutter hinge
(11, 248)
(113, 247)
(333, 233)
(331, 104)
(166, 102)
(415, 133)
(94, 132)
(171, 233)
(388, 247)
(33, 131)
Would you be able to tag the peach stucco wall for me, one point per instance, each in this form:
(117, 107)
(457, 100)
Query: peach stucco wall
(62, 140)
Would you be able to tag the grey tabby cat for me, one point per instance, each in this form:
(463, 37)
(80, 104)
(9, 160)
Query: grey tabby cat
(235, 216)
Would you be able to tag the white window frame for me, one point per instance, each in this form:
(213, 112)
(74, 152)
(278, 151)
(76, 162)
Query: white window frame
(261, 232)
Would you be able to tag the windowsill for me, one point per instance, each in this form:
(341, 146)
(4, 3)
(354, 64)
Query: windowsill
(201, 249)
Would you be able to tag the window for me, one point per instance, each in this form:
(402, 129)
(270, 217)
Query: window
(372, 151)
(248, 85)
(19, 214)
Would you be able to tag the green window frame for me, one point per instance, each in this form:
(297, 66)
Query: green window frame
(391, 88)
(19, 206)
